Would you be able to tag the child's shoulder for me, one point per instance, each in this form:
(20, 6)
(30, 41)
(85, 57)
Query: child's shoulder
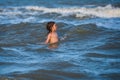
(49, 34)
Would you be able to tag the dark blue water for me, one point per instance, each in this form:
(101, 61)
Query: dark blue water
(90, 40)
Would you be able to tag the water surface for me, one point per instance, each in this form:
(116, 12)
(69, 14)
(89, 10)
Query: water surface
(90, 46)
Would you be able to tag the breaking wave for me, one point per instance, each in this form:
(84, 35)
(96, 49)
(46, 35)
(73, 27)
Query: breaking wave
(105, 12)
(30, 13)
(37, 14)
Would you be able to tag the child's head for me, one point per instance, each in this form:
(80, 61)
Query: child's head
(51, 26)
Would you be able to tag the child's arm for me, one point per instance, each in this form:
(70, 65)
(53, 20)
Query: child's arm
(48, 39)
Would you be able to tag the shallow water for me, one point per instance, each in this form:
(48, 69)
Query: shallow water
(90, 40)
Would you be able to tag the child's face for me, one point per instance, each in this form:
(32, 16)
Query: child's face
(54, 28)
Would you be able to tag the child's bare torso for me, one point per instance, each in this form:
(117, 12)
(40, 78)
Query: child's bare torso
(53, 38)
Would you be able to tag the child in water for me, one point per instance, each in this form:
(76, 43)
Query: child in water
(52, 36)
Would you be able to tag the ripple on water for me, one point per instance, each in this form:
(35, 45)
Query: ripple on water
(109, 45)
(59, 65)
(99, 55)
(51, 75)
(111, 76)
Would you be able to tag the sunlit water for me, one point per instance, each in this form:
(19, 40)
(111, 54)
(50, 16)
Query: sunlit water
(89, 46)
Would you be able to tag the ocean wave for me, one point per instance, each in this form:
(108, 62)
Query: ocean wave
(37, 14)
(104, 12)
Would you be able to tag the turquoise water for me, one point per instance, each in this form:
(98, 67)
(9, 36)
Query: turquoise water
(90, 40)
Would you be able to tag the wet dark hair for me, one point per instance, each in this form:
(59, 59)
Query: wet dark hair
(49, 26)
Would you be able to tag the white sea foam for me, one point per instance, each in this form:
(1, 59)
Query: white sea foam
(35, 14)
(104, 12)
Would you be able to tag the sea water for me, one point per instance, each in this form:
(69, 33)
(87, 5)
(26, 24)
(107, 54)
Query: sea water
(90, 40)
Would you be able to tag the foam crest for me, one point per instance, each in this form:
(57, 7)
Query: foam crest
(104, 12)
(37, 14)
